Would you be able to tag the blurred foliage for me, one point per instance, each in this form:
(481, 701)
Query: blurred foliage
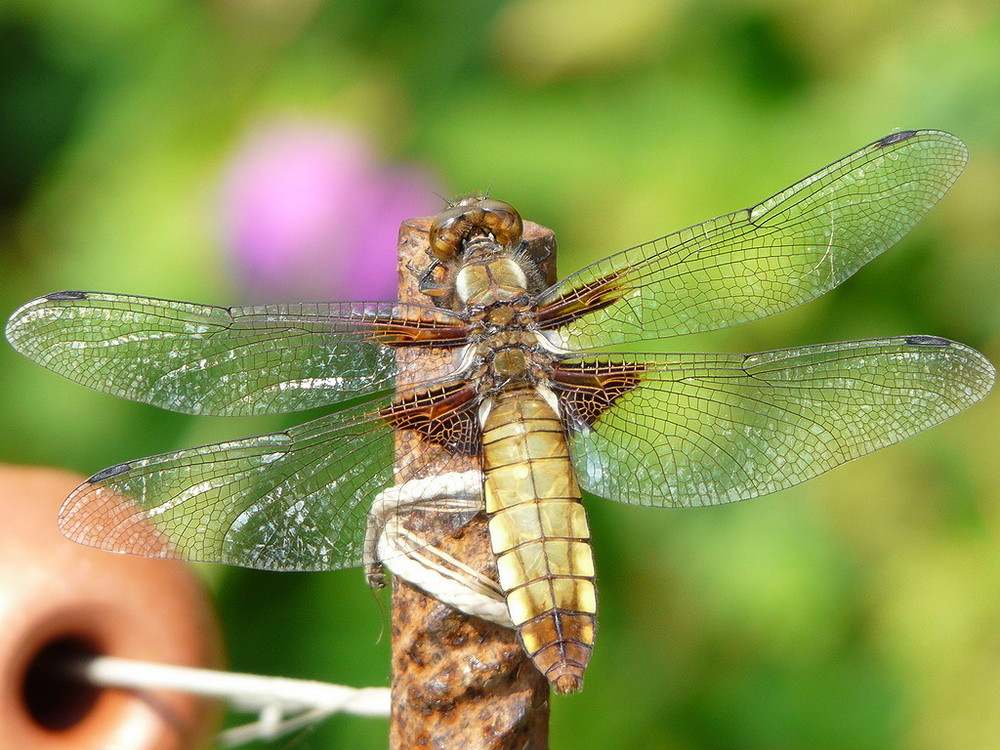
(859, 611)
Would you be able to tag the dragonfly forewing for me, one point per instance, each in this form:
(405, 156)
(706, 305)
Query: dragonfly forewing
(779, 253)
(226, 361)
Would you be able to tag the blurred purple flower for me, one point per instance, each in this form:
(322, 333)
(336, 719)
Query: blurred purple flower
(310, 213)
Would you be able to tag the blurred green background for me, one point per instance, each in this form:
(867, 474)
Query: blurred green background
(861, 610)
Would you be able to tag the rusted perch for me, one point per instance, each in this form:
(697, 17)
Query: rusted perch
(459, 681)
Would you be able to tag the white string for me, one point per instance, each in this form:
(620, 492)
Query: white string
(442, 576)
(434, 571)
(283, 705)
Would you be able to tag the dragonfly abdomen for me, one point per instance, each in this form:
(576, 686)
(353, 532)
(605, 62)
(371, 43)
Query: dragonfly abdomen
(539, 533)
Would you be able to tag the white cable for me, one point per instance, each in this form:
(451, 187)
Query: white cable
(273, 697)
(415, 560)
(442, 576)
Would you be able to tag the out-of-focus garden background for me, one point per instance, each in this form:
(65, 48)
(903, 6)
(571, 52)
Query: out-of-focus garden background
(226, 151)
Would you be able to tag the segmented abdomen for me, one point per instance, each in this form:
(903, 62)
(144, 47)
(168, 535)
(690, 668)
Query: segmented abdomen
(538, 530)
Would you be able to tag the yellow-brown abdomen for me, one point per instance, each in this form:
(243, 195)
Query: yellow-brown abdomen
(539, 534)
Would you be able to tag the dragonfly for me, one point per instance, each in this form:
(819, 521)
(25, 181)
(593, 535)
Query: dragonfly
(533, 394)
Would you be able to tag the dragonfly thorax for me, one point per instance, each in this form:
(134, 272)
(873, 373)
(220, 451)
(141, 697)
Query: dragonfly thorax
(496, 279)
(509, 358)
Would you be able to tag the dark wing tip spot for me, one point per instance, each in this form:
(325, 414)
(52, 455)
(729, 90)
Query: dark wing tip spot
(111, 471)
(65, 296)
(927, 341)
(903, 135)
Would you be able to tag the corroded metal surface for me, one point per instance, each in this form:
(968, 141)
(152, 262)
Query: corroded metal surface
(458, 681)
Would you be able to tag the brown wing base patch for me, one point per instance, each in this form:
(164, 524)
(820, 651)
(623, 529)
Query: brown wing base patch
(444, 416)
(585, 299)
(585, 390)
(400, 332)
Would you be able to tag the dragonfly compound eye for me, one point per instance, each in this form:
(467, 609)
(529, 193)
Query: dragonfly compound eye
(454, 225)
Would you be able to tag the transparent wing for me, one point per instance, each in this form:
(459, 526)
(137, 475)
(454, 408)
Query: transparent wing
(292, 500)
(704, 429)
(232, 361)
(782, 252)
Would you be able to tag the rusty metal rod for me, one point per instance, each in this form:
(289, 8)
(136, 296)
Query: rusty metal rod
(458, 681)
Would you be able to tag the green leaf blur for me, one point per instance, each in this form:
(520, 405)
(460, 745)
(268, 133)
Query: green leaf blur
(861, 610)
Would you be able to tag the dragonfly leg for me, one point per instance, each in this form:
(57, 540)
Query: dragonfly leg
(432, 280)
